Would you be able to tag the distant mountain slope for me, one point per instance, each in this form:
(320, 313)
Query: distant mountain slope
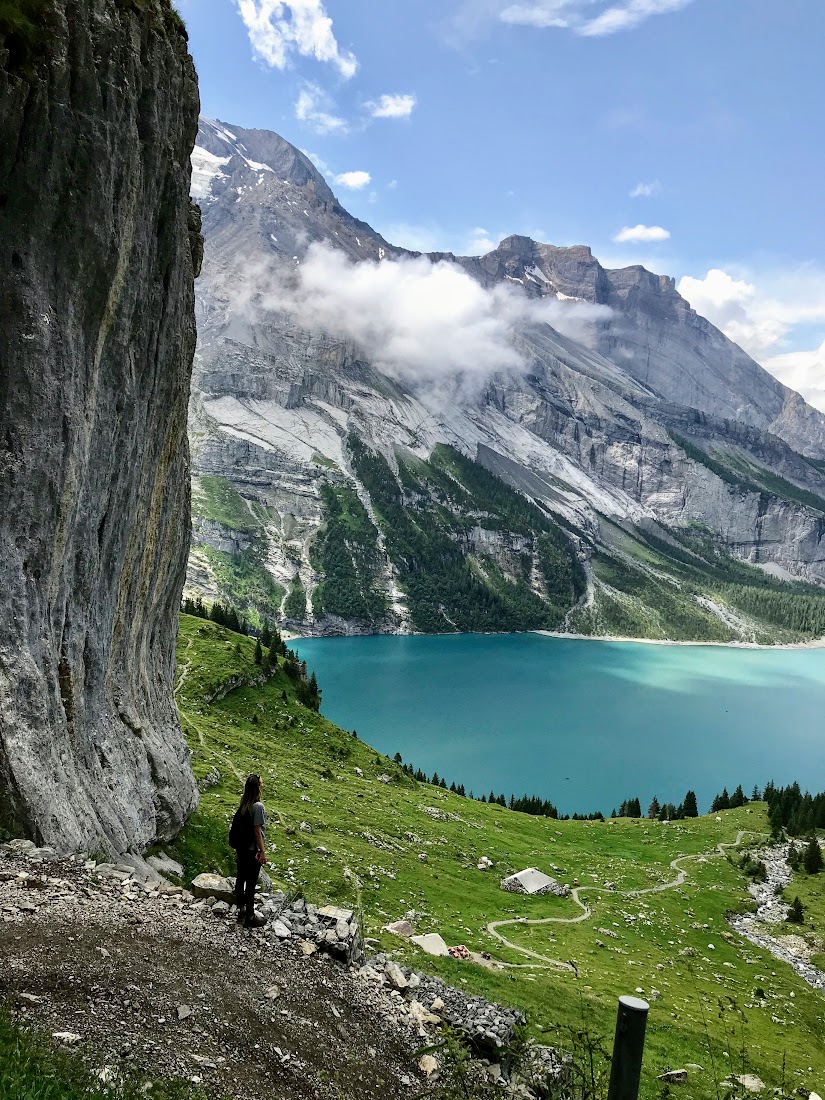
(342, 495)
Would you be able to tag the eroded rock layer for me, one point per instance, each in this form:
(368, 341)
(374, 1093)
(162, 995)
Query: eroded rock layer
(98, 115)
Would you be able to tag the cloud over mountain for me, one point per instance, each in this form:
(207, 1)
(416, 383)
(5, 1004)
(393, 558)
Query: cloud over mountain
(419, 321)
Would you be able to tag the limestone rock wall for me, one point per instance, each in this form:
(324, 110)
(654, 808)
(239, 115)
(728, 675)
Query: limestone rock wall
(98, 246)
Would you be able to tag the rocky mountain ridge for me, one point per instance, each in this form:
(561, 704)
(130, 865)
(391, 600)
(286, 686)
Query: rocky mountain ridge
(650, 420)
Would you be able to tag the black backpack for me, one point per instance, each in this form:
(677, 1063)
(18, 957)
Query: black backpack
(242, 831)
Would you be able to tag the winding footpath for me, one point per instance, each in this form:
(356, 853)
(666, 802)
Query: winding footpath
(546, 963)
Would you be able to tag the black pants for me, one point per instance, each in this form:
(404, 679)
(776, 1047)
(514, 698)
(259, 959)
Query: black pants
(247, 880)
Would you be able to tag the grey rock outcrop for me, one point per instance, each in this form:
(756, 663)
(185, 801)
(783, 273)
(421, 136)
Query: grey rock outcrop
(99, 245)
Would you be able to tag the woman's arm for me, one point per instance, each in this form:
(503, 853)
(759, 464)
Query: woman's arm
(259, 836)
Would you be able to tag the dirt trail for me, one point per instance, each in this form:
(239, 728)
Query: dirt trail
(559, 964)
(147, 982)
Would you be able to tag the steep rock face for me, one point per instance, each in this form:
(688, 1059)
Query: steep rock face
(98, 243)
(658, 339)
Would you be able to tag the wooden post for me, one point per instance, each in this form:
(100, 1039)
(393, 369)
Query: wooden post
(628, 1047)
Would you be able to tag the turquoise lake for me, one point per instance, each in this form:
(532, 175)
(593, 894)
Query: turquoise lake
(586, 724)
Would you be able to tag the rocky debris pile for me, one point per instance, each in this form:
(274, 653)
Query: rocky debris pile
(773, 909)
(531, 881)
(137, 974)
(328, 928)
(424, 1002)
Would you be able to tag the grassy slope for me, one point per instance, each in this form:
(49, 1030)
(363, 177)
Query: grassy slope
(376, 831)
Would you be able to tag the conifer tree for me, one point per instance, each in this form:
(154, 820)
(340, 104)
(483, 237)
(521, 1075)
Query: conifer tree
(689, 807)
(738, 798)
(796, 913)
(259, 653)
(654, 808)
(812, 859)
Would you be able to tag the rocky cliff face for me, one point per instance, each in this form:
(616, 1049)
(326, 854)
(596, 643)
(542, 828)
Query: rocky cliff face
(653, 420)
(98, 110)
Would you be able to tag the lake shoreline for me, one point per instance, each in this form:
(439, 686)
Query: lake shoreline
(817, 643)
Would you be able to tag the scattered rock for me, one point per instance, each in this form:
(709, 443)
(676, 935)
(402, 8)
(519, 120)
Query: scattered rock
(68, 1038)
(184, 1012)
(428, 1065)
(401, 928)
(674, 1076)
(748, 1081)
(396, 976)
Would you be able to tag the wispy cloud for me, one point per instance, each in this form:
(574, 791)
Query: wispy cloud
(279, 28)
(480, 242)
(588, 18)
(392, 106)
(646, 190)
(635, 233)
(355, 181)
(315, 107)
(623, 17)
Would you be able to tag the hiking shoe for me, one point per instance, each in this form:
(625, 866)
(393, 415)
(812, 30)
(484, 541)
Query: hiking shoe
(241, 917)
(254, 921)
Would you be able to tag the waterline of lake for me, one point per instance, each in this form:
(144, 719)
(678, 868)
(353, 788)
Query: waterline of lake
(586, 726)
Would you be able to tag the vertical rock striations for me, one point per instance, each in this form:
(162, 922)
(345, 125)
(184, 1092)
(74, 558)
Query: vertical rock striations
(98, 115)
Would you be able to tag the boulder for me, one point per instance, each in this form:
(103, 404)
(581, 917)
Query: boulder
(213, 886)
(395, 976)
(674, 1076)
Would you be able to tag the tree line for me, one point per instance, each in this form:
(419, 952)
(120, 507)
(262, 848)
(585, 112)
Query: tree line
(270, 647)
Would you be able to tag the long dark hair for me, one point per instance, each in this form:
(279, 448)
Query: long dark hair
(251, 793)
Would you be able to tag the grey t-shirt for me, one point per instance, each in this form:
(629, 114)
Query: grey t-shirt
(258, 818)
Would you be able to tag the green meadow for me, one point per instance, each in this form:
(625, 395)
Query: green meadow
(716, 1002)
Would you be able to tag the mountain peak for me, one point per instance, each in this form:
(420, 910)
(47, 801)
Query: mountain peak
(219, 143)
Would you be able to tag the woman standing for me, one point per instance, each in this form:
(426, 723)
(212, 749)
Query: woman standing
(251, 824)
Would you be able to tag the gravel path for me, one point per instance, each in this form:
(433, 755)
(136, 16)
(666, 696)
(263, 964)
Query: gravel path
(138, 977)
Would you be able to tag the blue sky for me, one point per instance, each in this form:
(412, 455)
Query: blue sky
(686, 135)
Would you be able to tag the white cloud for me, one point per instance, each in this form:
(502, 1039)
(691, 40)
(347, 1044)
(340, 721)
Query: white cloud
(761, 312)
(418, 321)
(315, 107)
(634, 233)
(588, 18)
(392, 106)
(803, 371)
(355, 181)
(279, 28)
(479, 243)
(623, 17)
(646, 190)
(391, 186)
